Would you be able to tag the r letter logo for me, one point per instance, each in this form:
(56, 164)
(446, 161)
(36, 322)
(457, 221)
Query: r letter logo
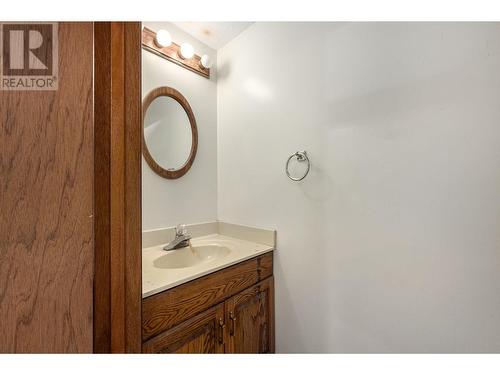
(28, 56)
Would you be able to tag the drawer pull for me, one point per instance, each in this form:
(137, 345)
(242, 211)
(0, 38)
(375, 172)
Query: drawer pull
(233, 323)
(221, 331)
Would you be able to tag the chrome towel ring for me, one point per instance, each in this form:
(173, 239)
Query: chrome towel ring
(301, 156)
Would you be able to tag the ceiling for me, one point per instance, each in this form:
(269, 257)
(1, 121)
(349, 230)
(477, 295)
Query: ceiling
(213, 34)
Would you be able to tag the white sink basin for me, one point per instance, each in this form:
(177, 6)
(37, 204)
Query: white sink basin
(190, 256)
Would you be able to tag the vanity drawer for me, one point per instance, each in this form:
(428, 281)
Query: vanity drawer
(171, 307)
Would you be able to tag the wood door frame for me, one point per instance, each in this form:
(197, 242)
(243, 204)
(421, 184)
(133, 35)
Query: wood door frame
(117, 187)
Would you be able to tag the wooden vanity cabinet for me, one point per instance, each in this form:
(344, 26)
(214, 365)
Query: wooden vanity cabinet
(204, 333)
(228, 311)
(250, 316)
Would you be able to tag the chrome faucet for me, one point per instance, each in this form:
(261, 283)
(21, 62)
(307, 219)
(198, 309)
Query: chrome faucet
(181, 239)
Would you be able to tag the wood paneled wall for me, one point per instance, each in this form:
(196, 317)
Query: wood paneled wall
(46, 207)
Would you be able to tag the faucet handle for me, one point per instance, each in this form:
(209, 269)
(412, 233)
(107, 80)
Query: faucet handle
(180, 230)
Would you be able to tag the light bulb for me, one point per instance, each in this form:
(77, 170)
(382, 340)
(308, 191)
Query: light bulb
(163, 38)
(206, 61)
(187, 51)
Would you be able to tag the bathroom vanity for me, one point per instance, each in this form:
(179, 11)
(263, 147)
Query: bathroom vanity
(209, 289)
(215, 296)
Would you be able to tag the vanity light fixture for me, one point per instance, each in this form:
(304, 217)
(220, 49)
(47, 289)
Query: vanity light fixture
(206, 61)
(160, 43)
(186, 51)
(163, 38)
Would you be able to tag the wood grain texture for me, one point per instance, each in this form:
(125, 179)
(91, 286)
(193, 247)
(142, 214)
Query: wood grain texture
(201, 334)
(272, 315)
(117, 187)
(133, 199)
(102, 191)
(176, 95)
(167, 309)
(46, 240)
(118, 287)
(265, 266)
(171, 53)
(250, 316)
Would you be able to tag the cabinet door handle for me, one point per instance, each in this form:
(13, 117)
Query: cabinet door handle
(221, 331)
(233, 323)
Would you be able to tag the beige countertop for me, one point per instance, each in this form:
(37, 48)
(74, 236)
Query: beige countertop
(158, 266)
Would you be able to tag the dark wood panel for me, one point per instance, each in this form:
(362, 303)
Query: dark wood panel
(133, 199)
(265, 266)
(272, 309)
(164, 310)
(118, 289)
(203, 333)
(46, 240)
(250, 317)
(102, 191)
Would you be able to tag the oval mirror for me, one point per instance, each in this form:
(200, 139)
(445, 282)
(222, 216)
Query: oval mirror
(170, 136)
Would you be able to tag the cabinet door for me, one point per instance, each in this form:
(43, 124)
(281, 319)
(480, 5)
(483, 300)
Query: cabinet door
(250, 316)
(204, 333)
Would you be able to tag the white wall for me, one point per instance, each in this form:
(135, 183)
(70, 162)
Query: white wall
(193, 197)
(391, 244)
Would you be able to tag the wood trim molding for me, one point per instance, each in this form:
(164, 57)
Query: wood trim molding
(174, 94)
(171, 53)
(117, 187)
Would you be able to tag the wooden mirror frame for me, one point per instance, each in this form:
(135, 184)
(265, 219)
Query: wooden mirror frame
(174, 94)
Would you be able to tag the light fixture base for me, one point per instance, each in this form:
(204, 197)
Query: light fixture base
(172, 54)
